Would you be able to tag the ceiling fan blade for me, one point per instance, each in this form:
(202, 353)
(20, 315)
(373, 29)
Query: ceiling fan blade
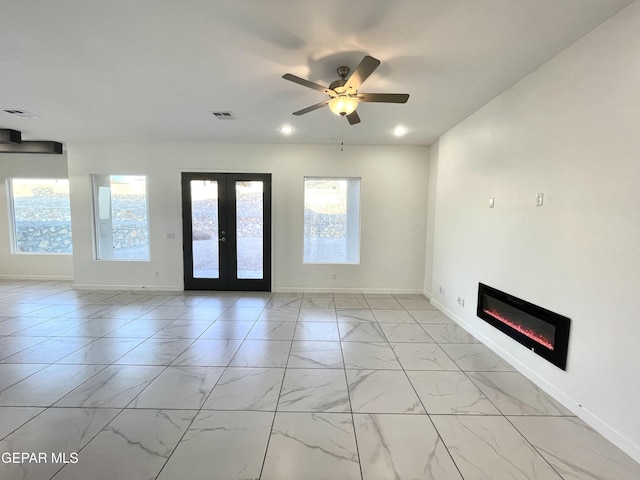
(307, 83)
(361, 73)
(353, 118)
(311, 108)
(384, 97)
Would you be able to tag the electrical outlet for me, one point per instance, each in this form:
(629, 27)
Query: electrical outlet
(441, 290)
(461, 301)
(333, 277)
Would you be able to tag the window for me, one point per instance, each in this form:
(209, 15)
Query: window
(41, 215)
(122, 229)
(331, 220)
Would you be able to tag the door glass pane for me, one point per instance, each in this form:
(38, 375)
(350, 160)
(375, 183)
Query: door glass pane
(204, 228)
(249, 229)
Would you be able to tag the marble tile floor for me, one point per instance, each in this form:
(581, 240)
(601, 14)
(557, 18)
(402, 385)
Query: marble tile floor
(238, 385)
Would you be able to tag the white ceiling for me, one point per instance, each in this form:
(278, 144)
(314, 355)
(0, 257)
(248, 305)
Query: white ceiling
(153, 70)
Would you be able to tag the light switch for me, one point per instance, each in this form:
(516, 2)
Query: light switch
(491, 202)
(539, 199)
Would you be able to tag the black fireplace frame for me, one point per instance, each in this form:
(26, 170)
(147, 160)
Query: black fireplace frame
(557, 355)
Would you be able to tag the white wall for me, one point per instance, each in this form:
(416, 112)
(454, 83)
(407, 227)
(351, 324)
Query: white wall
(393, 225)
(431, 215)
(569, 130)
(29, 265)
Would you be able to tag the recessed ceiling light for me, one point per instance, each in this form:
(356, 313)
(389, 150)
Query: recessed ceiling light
(286, 130)
(399, 131)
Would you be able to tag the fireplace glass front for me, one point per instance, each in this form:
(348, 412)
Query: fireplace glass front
(541, 330)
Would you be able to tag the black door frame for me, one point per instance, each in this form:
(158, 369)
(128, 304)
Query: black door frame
(227, 220)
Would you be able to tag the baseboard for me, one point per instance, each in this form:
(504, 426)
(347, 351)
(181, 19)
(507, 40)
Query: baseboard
(348, 290)
(591, 419)
(65, 278)
(151, 288)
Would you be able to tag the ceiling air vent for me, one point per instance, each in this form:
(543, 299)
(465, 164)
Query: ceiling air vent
(20, 113)
(224, 116)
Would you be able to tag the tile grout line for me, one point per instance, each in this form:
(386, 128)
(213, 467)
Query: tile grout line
(122, 409)
(346, 379)
(535, 449)
(499, 414)
(425, 408)
(284, 374)
(199, 410)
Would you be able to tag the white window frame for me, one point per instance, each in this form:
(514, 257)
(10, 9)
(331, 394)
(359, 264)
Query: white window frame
(353, 219)
(13, 234)
(100, 197)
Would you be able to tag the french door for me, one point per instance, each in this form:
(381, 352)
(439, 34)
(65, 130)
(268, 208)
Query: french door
(226, 220)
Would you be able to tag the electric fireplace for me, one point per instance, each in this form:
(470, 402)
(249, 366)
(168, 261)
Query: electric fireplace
(542, 331)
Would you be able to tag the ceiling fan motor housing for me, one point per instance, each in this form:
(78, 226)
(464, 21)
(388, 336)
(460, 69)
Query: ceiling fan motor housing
(343, 72)
(337, 85)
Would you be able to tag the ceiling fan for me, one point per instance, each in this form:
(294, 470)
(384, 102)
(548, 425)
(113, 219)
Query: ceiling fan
(343, 93)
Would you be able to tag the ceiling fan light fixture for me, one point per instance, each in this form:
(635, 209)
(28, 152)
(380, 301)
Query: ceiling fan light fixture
(343, 105)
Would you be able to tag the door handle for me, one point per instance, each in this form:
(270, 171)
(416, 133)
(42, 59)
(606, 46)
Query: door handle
(222, 239)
